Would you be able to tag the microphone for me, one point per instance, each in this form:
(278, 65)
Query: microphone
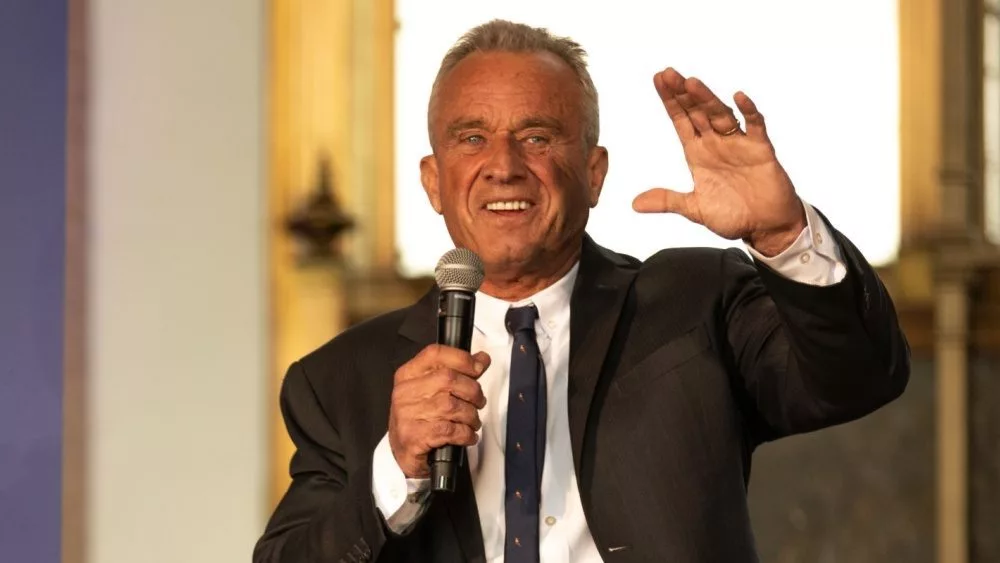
(458, 273)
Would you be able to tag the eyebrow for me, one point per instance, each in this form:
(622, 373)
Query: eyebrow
(464, 124)
(539, 122)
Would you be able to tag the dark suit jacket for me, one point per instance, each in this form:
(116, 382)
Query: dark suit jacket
(679, 367)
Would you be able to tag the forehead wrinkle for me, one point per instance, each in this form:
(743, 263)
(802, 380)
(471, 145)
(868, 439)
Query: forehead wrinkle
(484, 91)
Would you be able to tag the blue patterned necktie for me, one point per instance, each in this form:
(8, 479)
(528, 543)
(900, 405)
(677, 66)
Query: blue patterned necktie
(525, 447)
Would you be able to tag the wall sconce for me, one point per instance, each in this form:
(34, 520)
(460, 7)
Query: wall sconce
(319, 223)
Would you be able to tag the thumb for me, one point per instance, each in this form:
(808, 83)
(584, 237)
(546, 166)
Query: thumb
(481, 361)
(661, 200)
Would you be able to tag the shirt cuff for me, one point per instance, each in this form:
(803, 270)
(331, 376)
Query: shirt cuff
(400, 500)
(814, 258)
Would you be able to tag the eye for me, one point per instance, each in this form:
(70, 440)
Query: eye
(474, 140)
(536, 139)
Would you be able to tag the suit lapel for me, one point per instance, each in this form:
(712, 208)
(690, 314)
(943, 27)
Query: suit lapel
(601, 287)
(419, 329)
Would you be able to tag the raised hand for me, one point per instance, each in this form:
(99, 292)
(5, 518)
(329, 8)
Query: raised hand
(740, 190)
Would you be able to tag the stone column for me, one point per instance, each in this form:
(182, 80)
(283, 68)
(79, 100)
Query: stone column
(962, 257)
(309, 105)
(952, 370)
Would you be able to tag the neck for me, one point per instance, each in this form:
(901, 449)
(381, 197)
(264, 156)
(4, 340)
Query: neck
(515, 284)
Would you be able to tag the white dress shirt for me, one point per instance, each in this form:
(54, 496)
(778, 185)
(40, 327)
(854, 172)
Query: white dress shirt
(814, 258)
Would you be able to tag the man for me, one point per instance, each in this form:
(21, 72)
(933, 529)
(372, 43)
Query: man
(611, 406)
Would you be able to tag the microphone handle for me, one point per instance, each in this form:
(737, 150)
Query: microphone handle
(456, 314)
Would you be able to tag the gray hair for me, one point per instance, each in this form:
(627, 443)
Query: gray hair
(509, 37)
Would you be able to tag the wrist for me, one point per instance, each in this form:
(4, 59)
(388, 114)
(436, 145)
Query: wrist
(412, 469)
(773, 242)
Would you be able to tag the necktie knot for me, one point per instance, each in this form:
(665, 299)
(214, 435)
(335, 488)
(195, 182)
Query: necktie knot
(521, 318)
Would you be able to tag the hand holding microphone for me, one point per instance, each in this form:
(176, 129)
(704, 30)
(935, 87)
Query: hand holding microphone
(436, 397)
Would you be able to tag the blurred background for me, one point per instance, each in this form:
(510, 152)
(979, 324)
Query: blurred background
(195, 193)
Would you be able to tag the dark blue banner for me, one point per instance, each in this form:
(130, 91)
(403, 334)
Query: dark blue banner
(33, 75)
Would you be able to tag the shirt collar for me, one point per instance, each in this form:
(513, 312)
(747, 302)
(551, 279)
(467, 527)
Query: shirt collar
(552, 303)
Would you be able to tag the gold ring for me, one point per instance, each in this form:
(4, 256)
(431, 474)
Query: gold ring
(732, 131)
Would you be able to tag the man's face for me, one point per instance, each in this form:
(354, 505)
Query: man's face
(511, 172)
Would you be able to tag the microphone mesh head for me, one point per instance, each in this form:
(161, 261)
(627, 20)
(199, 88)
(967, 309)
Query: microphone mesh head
(459, 269)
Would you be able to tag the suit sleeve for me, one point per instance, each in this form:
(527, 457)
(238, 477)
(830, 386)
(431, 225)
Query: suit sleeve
(809, 356)
(328, 514)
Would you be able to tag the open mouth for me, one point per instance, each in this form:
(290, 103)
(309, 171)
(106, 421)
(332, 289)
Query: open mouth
(509, 207)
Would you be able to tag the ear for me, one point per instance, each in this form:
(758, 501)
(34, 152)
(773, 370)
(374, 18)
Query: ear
(429, 178)
(597, 170)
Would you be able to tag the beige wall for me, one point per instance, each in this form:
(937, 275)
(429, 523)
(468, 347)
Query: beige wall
(176, 339)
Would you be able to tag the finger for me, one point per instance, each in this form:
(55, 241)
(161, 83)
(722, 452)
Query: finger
(438, 355)
(701, 122)
(682, 124)
(678, 84)
(754, 120)
(408, 393)
(450, 407)
(444, 433)
(481, 362)
(412, 369)
(675, 81)
(717, 115)
(459, 385)
(460, 360)
(660, 200)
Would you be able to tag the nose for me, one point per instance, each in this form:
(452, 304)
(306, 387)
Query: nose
(506, 162)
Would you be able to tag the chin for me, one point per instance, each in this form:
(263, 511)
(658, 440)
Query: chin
(510, 257)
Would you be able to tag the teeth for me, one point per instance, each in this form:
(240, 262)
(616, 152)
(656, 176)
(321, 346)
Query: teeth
(507, 205)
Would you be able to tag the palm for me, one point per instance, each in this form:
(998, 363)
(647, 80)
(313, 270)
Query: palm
(740, 189)
(737, 187)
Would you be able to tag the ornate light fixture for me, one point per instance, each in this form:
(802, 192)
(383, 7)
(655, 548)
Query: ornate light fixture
(320, 222)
